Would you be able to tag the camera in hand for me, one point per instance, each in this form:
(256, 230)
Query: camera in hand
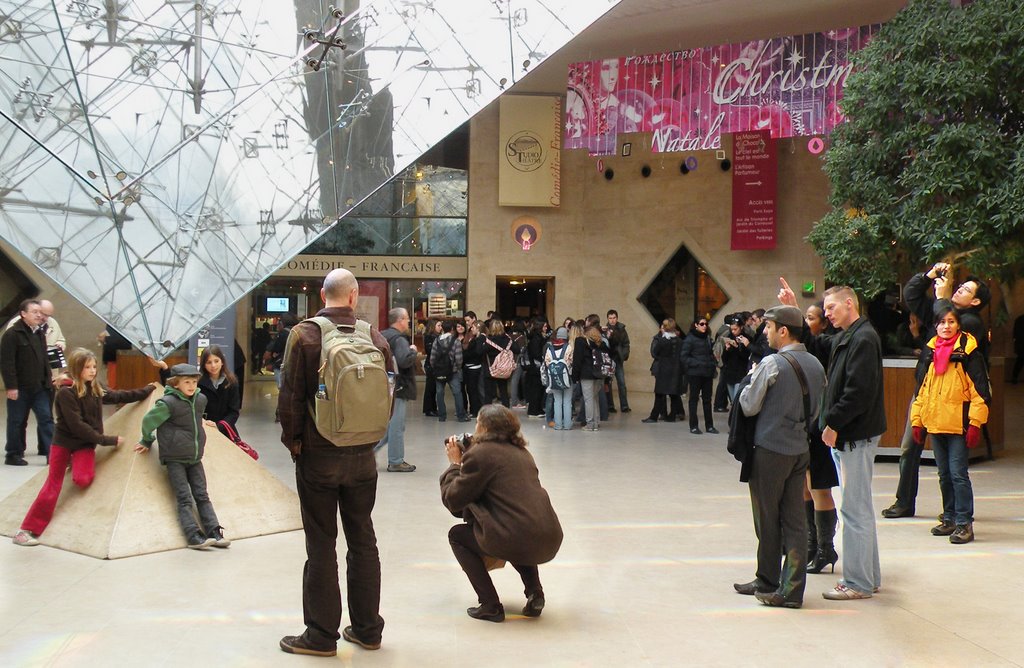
(462, 440)
(941, 273)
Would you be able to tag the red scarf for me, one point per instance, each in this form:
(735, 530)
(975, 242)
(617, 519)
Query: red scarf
(943, 349)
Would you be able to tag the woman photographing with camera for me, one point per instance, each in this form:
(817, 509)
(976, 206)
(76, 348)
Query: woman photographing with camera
(493, 484)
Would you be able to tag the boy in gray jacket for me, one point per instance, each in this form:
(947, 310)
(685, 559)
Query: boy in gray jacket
(177, 420)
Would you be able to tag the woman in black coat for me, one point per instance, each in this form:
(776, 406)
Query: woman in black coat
(735, 355)
(494, 485)
(667, 377)
(220, 387)
(698, 365)
(535, 342)
(430, 334)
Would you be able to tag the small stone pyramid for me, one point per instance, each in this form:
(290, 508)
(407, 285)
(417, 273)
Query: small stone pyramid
(129, 508)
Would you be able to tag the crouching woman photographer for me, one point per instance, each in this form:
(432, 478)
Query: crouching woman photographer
(493, 484)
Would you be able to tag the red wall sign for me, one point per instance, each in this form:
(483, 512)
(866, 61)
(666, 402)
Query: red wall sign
(754, 180)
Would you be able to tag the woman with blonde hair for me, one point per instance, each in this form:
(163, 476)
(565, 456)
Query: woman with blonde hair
(586, 373)
(78, 412)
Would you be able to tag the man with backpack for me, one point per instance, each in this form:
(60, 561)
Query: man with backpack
(446, 361)
(332, 477)
(405, 389)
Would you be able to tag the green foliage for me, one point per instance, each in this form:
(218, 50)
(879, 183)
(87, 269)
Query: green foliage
(932, 152)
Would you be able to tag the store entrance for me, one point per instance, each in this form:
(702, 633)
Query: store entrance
(525, 296)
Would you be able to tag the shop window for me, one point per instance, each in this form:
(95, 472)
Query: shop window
(683, 290)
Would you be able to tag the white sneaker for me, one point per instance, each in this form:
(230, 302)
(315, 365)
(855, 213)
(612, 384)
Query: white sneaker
(25, 538)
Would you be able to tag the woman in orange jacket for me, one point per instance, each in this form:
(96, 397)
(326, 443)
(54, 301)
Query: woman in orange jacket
(951, 406)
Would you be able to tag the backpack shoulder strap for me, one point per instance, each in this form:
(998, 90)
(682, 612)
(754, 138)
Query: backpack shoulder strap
(803, 383)
(495, 345)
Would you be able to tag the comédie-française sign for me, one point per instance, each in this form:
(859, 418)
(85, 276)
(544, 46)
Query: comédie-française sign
(377, 266)
(687, 99)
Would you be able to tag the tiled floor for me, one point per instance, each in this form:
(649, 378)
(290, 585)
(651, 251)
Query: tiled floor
(657, 529)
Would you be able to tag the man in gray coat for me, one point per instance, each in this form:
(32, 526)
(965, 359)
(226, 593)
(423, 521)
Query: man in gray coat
(776, 394)
(404, 355)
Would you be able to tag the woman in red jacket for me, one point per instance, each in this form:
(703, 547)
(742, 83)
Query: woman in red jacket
(79, 415)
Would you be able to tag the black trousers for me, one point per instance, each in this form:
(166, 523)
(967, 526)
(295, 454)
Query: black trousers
(470, 556)
(430, 394)
(658, 410)
(700, 386)
(496, 388)
(472, 383)
(329, 481)
(777, 500)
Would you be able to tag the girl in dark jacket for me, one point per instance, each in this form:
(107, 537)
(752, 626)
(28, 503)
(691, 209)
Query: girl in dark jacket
(473, 370)
(79, 429)
(698, 365)
(220, 387)
(433, 330)
(665, 369)
(584, 373)
(535, 342)
(734, 357)
(494, 486)
(497, 340)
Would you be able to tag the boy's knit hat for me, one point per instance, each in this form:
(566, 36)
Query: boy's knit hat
(185, 370)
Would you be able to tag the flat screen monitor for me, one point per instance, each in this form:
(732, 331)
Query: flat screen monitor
(278, 305)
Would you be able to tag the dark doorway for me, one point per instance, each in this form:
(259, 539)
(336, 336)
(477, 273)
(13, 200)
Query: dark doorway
(524, 297)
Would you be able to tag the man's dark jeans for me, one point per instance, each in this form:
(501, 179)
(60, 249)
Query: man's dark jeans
(188, 482)
(329, 480)
(37, 401)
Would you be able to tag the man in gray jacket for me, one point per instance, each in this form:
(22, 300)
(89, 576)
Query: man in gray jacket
(404, 355)
(776, 395)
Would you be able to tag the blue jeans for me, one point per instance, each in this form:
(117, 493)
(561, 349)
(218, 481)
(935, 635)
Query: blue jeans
(37, 401)
(620, 381)
(455, 381)
(861, 568)
(562, 404)
(395, 436)
(954, 482)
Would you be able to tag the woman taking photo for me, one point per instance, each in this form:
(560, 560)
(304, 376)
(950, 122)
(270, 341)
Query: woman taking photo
(492, 482)
(220, 387)
(698, 366)
(951, 407)
(665, 369)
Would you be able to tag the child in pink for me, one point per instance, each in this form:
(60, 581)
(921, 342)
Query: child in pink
(78, 412)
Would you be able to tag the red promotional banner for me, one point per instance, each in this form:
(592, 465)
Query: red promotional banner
(754, 177)
(688, 99)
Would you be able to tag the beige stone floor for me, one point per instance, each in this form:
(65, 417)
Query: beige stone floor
(657, 529)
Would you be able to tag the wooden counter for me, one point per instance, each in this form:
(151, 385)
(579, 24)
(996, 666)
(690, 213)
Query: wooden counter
(898, 384)
(135, 370)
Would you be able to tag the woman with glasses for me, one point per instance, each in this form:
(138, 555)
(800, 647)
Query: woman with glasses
(698, 366)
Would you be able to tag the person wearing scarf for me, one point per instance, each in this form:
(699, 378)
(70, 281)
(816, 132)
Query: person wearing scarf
(955, 378)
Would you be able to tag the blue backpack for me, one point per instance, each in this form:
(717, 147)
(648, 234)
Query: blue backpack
(556, 373)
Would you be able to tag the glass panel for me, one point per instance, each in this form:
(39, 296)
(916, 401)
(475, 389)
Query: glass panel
(161, 158)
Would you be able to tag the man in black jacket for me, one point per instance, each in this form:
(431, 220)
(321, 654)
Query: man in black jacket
(618, 342)
(405, 389)
(852, 419)
(968, 299)
(27, 378)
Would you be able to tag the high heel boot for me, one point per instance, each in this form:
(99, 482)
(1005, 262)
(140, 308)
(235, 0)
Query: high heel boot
(812, 531)
(825, 521)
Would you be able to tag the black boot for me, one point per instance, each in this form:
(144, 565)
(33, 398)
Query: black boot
(826, 521)
(812, 532)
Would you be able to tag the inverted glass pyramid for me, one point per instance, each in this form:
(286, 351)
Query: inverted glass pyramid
(162, 157)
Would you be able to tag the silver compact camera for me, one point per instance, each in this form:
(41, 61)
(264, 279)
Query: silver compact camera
(462, 440)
